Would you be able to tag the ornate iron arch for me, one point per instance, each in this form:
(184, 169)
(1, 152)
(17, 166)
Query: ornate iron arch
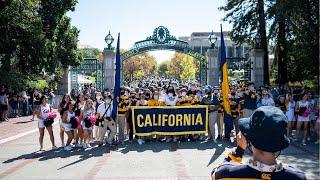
(161, 39)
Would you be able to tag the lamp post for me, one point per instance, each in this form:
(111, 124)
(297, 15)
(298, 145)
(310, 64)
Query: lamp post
(213, 40)
(109, 40)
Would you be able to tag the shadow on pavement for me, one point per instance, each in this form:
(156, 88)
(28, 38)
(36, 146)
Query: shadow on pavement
(217, 150)
(23, 122)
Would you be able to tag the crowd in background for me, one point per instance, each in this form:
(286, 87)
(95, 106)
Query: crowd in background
(22, 103)
(77, 109)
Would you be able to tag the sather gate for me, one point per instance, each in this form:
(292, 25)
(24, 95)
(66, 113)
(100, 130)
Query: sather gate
(161, 39)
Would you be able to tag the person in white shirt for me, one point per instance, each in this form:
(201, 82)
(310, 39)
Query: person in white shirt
(170, 98)
(267, 99)
(303, 116)
(42, 114)
(68, 114)
(104, 113)
(290, 106)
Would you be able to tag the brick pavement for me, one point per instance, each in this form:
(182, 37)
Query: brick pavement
(16, 126)
(191, 160)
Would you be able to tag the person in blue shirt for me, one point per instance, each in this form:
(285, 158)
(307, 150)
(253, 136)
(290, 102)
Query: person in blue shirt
(265, 134)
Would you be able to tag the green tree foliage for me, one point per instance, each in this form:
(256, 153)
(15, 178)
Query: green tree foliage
(36, 37)
(293, 30)
(175, 65)
(139, 66)
(248, 19)
(163, 68)
(189, 70)
(89, 52)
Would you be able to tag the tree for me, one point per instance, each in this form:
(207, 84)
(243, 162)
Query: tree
(36, 39)
(248, 19)
(175, 67)
(163, 68)
(294, 29)
(140, 65)
(189, 70)
(90, 52)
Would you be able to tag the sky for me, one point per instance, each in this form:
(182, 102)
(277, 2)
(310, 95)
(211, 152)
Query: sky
(135, 20)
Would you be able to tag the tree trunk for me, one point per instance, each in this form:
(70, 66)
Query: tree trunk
(282, 47)
(264, 42)
(6, 63)
(64, 82)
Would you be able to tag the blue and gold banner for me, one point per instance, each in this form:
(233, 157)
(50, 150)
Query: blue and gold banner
(169, 120)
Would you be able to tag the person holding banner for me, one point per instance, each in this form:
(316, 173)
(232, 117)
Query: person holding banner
(122, 110)
(133, 100)
(213, 103)
(170, 99)
(141, 102)
(154, 101)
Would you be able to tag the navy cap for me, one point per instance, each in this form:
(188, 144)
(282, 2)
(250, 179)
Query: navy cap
(266, 129)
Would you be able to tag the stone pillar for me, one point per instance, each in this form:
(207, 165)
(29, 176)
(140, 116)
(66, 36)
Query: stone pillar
(213, 67)
(256, 58)
(109, 68)
(64, 85)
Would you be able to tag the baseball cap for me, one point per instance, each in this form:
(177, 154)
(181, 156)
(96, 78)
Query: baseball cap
(266, 129)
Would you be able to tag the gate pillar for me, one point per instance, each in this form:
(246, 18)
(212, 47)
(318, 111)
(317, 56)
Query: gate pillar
(213, 67)
(256, 58)
(109, 68)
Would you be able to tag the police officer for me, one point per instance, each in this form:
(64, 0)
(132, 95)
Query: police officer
(265, 134)
(213, 103)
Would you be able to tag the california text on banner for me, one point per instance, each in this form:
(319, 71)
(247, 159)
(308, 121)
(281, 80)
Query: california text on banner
(169, 120)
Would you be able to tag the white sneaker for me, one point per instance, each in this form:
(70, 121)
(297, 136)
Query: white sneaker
(88, 145)
(67, 148)
(84, 146)
(304, 142)
(78, 145)
(63, 145)
(54, 147)
(140, 141)
(175, 139)
(317, 142)
(215, 141)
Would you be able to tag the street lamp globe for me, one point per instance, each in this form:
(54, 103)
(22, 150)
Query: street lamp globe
(109, 40)
(212, 39)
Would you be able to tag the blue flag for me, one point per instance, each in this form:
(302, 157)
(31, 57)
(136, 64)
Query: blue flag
(116, 81)
(225, 88)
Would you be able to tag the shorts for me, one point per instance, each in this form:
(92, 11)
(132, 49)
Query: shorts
(67, 127)
(303, 119)
(85, 128)
(41, 123)
(4, 107)
(14, 105)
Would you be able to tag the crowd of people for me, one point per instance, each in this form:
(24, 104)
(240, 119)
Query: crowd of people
(85, 116)
(17, 103)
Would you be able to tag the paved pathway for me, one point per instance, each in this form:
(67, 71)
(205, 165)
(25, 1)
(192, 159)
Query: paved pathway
(189, 160)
